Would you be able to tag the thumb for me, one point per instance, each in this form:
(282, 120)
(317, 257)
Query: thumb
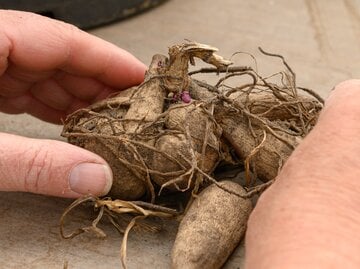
(51, 168)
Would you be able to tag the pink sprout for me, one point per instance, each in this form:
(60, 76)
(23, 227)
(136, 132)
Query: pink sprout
(185, 97)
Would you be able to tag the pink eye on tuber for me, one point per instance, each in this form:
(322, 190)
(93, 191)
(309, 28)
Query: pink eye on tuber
(185, 97)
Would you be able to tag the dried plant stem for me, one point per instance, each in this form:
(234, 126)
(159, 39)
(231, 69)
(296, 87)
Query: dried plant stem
(248, 158)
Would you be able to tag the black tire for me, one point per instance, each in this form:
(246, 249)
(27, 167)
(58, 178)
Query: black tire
(83, 13)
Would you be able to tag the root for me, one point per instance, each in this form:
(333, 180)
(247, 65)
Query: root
(248, 158)
(112, 209)
(272, 106)
(89, 229)
(227, 69)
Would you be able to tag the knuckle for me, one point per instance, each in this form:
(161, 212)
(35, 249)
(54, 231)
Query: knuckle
(36, 169)
(68, 28)
(344, 97)
(351, 83)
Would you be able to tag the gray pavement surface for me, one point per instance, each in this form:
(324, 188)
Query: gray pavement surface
(320, 40)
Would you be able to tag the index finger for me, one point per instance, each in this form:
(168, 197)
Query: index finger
(37, 43)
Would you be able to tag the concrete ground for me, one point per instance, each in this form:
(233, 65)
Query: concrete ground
(320, 40)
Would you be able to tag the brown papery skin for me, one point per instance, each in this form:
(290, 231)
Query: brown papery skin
(268, 160)
(212, 228)
(107, 127)
(199, 125)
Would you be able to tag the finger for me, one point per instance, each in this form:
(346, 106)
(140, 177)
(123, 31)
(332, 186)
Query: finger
(338, 124)
(343, 103)
(49, 92)
(336, 134)
(28, 104)
(46, 113)
(5, 44)
(84, 88)
(10, 86)
(59, 93)
(315, 194)
(55, 93)
(51, 168)
(60, 45)
(17, 81)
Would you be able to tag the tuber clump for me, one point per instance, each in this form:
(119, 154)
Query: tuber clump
(172, 132)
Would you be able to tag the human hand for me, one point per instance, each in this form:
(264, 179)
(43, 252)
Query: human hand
(49, 69)
(310, 216)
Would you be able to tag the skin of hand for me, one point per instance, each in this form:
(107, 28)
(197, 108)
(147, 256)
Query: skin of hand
(49, 69)
(310, 216)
